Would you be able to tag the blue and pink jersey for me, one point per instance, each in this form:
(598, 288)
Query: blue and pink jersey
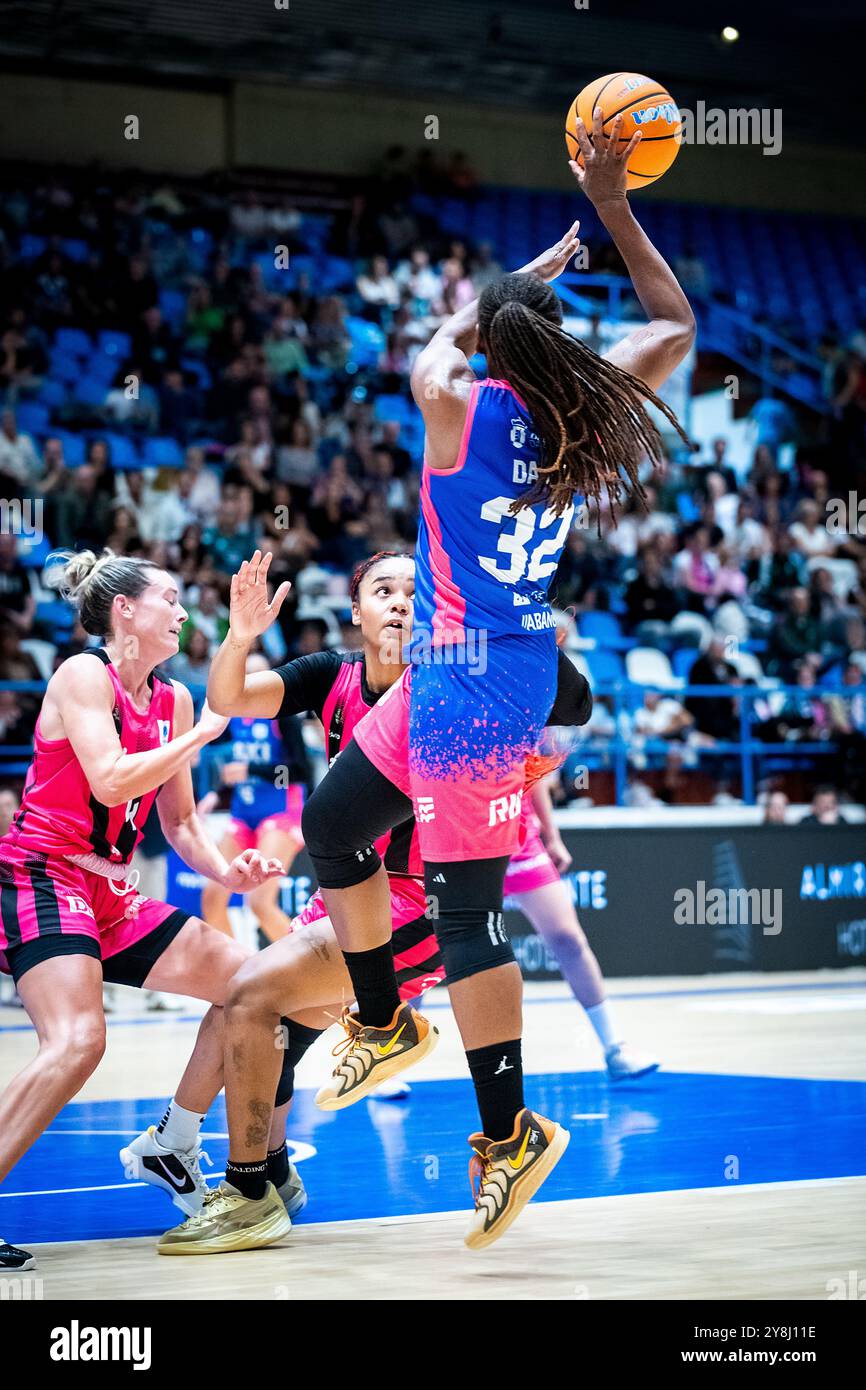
(483, 647)
(479, 567)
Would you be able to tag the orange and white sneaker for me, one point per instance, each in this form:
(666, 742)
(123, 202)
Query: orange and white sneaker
(369, 1056)
(504, 1174)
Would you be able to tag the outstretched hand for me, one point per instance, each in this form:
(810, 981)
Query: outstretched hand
(251, 869)
(554, 261)
(605, 166)
(250, 613)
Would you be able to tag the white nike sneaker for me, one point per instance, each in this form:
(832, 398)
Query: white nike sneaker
(624, 1064)
(178, 1174)
(293, 1194)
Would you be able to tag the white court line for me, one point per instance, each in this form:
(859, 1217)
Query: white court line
(205, 1134)
(103, 1187)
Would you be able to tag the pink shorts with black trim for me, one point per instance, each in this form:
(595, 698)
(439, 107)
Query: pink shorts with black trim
(45, 900)
(531, 867)
(417, 962)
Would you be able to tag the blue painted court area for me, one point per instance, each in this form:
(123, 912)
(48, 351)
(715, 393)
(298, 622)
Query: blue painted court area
(671, 1131)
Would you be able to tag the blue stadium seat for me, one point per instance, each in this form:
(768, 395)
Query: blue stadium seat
(52, 393)
(32, 418)
(603, 627)
(114, 344)
(102, 366)
(89, 391)
(122, 451)
(73, 447)
(162, 452)
(682, 661)
(605, 666)
(72, 342)
(74, 249)
(31, 247)
(172, 304)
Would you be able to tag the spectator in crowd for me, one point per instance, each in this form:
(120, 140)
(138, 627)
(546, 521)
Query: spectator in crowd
(809, 532)
(825, 808)
(797, 635)
(804, 716)
(776, 808)
(661, 716)
(715, 717)
(17, 604)
(377, 286)
(695, 569)
(19, 461)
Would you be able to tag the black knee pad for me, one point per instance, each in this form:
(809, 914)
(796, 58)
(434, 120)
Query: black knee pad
(341, 857)
(464, 903)
(351, 807)
(297, 1039)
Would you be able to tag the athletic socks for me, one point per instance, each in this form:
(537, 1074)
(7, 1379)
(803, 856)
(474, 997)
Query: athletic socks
(601, 1018)
(374, 983)
(250, 1179)
(178, 1129)
(497, 1074)
(278, 1165)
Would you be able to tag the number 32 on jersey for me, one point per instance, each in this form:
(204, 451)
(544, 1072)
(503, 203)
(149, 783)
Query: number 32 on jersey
(529, 552)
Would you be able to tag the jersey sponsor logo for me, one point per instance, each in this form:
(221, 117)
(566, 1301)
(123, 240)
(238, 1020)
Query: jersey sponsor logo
(425, 809)
(521, 601)
(503, 808)
(538, 622)
(80, 905)
(164, 728)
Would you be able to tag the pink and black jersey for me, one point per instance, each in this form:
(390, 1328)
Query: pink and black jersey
(59, 813)
(333, 685)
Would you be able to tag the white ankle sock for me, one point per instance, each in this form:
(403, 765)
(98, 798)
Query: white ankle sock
(601, 1018)
(178, 1129)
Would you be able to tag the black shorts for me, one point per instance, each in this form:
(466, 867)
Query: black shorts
(131, 966)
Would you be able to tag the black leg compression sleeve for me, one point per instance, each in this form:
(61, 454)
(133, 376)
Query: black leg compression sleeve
(465, 904)
(297, 1038)
(351, 807)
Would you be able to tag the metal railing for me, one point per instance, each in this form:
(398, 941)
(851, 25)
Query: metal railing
(721, 328)
(615, 749)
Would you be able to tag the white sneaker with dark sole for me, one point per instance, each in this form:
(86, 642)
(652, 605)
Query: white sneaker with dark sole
(624, 1064)
(178, 1174)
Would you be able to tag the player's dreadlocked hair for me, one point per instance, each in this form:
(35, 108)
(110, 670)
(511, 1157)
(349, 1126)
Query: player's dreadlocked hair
(365, 566)
(590, 416)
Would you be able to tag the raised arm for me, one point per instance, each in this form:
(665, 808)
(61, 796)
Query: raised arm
(230, 691)
(441, 375)
(653, 351)
(79, 703)
(185, 831)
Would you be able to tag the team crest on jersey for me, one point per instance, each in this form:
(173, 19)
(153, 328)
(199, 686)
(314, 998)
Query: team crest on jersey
(164, 727)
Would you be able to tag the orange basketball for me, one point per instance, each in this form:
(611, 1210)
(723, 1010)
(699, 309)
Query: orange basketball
(644, 105)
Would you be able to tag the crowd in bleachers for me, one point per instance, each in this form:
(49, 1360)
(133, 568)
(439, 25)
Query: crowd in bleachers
(186, 375)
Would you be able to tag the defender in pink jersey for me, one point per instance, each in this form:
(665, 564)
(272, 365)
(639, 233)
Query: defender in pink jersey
(112, 739)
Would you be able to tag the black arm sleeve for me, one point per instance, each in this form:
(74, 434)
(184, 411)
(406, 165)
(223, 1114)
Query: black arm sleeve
(307, 682)
(573, 703)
